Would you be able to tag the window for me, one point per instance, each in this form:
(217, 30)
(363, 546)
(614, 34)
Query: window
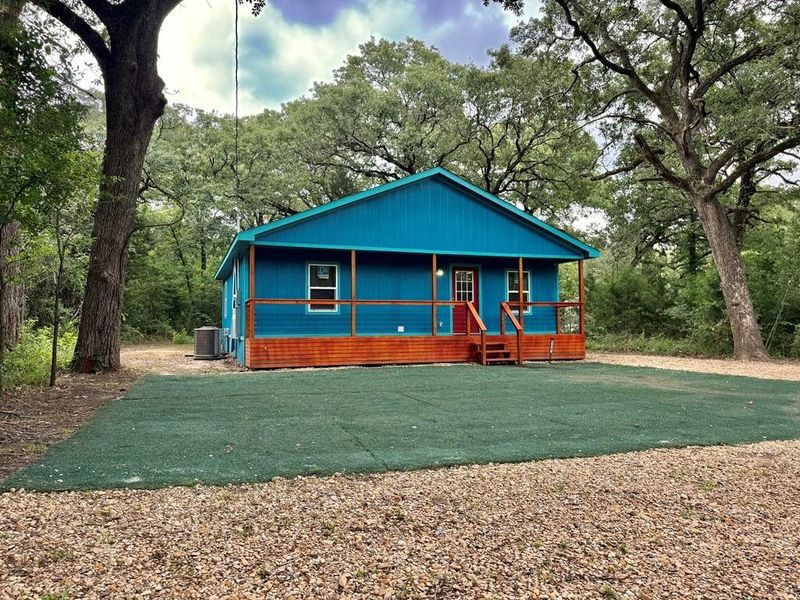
(225, 286)
(465, 286)
(512, 288)
(323, 284)
(235, 300)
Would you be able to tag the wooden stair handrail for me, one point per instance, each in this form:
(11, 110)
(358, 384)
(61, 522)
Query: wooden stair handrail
(481, 328)
(505, 311)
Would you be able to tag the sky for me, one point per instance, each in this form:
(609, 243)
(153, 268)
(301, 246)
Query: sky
(294, 43)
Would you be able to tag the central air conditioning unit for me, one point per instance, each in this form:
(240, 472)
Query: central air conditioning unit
(206, 343)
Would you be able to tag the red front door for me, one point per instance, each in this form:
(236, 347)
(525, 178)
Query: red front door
(465, 289)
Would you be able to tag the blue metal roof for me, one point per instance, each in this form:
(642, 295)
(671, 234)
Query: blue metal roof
(444, 214)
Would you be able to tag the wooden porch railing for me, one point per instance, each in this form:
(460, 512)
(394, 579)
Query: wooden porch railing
(250, 305)
(470, 308)
(507, 311)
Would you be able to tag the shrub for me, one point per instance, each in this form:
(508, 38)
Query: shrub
(629, 301)
(29, 362)
(647, 344)
(181, 337)
(795, 350)
(131, 335)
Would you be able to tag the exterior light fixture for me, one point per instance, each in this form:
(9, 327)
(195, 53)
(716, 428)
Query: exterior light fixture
(439, 272)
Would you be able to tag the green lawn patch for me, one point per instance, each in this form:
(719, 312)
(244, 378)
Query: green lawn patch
(234, 428)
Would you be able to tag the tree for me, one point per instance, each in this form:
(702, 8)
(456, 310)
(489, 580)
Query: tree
(397, 108)
(392, 110)
(39, 131)
(707, 91)
(12, 294)
(123, 39)
(68, 219)
(526, 145)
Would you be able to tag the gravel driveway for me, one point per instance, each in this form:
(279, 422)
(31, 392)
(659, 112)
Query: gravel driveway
(697, 522)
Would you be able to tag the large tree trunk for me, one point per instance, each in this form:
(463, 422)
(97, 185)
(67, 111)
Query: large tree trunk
(134, 101)
(12, 295)
(741, 214)
(747, 342)
(12, 299)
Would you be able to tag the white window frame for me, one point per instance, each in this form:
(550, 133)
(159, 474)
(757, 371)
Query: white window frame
(528, 309)
(225, 290)
(235, 300)
(309, 308)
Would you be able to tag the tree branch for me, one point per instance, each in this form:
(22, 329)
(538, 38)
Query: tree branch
(651, 155)
(623, 169)
(80, 27)
(102, 8)
(754, 53)
(759, 157)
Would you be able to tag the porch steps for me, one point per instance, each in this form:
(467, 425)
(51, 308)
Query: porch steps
(496, 354)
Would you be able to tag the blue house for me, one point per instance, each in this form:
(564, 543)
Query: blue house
(429, 268)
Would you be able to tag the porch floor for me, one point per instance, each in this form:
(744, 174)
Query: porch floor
(271, 353)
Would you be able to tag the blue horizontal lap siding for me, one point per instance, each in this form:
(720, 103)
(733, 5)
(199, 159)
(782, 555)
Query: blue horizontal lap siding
(431, 214)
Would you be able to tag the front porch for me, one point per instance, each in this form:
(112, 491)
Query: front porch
(325, 330)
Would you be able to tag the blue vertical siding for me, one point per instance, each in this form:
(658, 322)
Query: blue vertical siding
(227, 293)
(244, 294)
(282, 273)
(429, 215)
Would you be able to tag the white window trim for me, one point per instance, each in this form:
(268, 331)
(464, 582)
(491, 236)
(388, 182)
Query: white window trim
(235, 300)
(225, 299)
(529, 309)
(310, 310)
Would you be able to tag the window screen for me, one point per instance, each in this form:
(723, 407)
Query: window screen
(323, 281)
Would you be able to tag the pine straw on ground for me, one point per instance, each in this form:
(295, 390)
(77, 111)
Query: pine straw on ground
(696, 522)
(772, 369)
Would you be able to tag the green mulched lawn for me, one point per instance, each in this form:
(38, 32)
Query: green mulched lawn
(233, 428)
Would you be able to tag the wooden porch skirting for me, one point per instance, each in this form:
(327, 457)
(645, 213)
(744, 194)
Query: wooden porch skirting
(273, 353)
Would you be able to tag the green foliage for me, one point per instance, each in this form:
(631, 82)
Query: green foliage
(29, 362)
(393, 109)
(40, 153)
(182, 338)
(645, 344)
(661, 307)
(632, 301)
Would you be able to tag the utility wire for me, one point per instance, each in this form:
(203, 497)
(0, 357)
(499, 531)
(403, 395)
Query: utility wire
(236, 111)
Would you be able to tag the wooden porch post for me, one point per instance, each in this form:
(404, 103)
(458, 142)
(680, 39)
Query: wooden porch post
(250, 320)
(521, 308)
(434, 326)
(581, 312)
(252, 272)
(352, 292)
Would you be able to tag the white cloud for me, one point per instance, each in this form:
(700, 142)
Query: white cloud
(196, 50)
(196, 55)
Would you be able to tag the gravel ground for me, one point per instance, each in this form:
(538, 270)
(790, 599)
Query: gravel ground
(171, 359)
(774, 369)
(690, 523)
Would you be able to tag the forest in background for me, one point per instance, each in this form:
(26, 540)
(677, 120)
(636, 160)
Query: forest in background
(521, 127)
